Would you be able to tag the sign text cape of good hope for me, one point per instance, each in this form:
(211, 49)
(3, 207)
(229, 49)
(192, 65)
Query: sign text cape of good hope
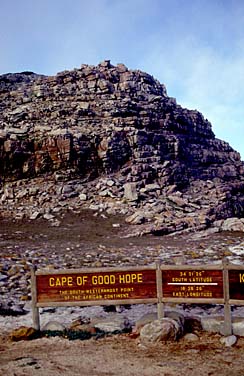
(102, 285)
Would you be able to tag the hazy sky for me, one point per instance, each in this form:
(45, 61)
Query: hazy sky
(194, 47)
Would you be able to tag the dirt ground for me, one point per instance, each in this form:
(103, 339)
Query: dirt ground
(120, 355)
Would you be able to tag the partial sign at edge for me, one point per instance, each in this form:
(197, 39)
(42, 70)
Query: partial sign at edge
(236, 284)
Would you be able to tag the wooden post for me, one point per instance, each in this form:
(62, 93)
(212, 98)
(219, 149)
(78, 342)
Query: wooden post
(35, 309)
(159, 291)
(227, 330)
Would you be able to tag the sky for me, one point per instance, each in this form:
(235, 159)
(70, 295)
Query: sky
(194, 47)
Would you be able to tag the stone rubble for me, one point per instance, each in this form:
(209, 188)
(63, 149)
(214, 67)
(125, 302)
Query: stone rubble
(148, 329)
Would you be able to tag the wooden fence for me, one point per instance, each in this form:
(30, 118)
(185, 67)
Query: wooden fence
(158, 284)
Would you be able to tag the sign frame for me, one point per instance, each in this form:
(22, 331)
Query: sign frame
(223, 269)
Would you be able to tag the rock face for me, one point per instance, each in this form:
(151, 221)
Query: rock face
(96, 121)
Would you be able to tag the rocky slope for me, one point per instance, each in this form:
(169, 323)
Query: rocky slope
(110, 139)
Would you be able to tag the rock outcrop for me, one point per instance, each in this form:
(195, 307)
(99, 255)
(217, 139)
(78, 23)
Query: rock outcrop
(110, 138)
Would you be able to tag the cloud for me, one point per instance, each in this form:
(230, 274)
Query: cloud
(202, 66)
(214, 85)
(59, 34)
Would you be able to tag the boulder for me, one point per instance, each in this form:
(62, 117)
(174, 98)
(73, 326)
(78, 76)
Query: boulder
(35, 215)
(82, 196)
(228, 341)
(233, 224)
(215, 324)
(112, 323)
(88, 328)
(150, 317)
(23, 333)
(238, 326)
(53, 326)
(165, 329)
(144, 320)
(136, 218)
(130, 192)
(82, 325)
(191, 337)
(212, 324)
(192, 324)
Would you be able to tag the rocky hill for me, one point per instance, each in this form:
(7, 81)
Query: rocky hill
(110, 139)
